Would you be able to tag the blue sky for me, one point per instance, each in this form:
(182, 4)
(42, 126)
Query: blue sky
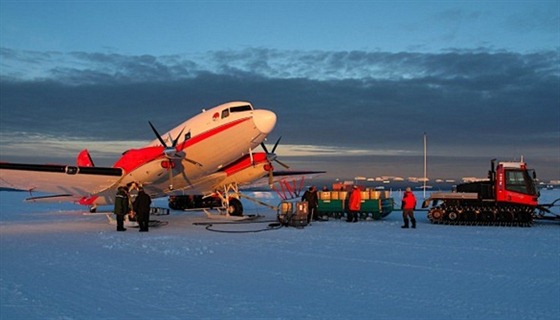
(176, 27)
(355, 83)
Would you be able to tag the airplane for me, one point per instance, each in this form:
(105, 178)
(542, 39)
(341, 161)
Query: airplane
(211, 153)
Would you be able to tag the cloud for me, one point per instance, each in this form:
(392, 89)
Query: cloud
(57, 149)
(472, 103)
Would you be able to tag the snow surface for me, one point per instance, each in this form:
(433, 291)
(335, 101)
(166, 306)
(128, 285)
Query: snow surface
(57, 263)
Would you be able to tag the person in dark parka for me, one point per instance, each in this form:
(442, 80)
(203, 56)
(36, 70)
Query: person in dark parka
(142, 208)
(121, 207)
(311, 197)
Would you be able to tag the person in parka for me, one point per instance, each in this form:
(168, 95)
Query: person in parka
(354, 204)
(142, 209)
(408, 205)
(312, 199)
(121, 207)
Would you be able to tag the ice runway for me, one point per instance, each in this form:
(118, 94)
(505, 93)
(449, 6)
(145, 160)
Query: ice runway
(57, 262)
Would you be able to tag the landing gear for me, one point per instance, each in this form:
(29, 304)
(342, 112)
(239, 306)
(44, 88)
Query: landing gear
(230, 200)
(235, 207)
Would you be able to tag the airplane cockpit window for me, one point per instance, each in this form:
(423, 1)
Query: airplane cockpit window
(241, 108)
(225, 113)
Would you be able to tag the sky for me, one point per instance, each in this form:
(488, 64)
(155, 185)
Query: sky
(355, 84)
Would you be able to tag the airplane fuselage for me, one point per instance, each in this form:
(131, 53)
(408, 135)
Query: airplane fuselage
(208, 142)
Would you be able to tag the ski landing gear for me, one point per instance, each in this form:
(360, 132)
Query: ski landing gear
(232, 208)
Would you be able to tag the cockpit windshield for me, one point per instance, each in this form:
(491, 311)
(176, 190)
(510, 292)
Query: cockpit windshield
(226, 112)
(241, 108)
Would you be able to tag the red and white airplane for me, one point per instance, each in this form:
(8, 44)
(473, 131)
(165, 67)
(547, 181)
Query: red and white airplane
(210, 153)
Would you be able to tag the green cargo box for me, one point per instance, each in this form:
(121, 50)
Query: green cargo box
(372, 205)
(374, 208)
(331, 205)
(387, 206)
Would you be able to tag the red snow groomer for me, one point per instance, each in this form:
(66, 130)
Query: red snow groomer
(508, 197)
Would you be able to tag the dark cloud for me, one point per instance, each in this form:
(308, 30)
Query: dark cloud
(471, 103)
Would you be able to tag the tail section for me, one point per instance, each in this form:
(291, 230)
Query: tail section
(84, 159)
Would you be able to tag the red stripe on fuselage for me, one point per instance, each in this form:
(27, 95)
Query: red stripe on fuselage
(205, 135)
(134, 158)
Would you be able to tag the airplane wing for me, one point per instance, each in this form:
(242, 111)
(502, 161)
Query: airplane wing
(280, 176)
(63, 181)
(296, 173)
(204, 186)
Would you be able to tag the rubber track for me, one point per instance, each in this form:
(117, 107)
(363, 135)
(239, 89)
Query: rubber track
(483, 223)
(515, 213)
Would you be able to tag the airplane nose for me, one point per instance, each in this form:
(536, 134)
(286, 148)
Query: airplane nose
(264, 120)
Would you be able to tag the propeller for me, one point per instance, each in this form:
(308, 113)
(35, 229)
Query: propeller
(271, 156)
(171, 152)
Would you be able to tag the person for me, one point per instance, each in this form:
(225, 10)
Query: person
(312, 199)
(354, 204)
(142, 209)
(408, 205)
(121, 207)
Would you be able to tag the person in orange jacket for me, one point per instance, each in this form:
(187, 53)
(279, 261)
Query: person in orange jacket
(408, 205)
(354, 204)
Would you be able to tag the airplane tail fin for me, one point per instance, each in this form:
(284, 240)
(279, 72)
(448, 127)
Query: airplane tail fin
(84, 159)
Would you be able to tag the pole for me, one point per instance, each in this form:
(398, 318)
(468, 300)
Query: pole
(425, 164)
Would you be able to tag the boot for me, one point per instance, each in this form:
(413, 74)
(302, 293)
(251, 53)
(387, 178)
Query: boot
(413, 223)
(405, 226)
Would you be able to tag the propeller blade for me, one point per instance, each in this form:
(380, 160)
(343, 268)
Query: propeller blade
(264, 148)
(170, 169)
(270, 178)
(177, 139)
(193, 162)
(276, 144)
(282, 164)
(158, 135)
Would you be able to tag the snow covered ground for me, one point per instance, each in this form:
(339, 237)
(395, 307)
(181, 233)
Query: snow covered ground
(57, 263)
